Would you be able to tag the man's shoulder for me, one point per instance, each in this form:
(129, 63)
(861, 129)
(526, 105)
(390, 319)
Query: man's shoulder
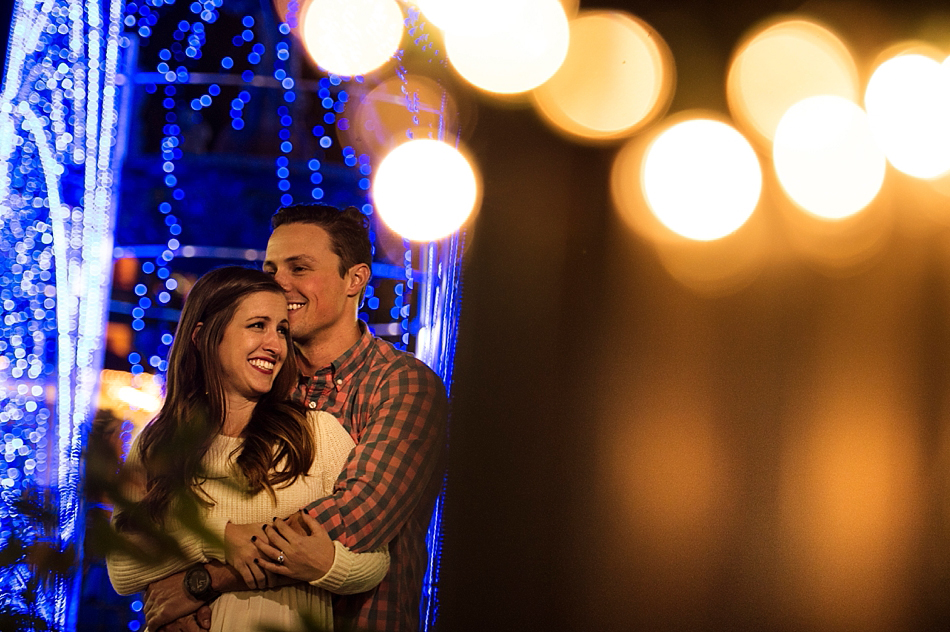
(385, 362)
(384, 355)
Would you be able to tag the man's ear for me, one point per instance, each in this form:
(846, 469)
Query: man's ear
(194, 333)
(359, 277)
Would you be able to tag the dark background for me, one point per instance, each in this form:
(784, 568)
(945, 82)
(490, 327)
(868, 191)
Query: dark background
(629, 454)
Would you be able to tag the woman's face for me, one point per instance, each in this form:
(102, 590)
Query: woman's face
(254, 345)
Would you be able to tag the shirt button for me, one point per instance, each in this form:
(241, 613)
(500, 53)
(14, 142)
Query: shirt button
(339, 382)
(312, 404)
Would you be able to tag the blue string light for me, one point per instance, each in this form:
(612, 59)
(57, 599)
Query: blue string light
(57, 124)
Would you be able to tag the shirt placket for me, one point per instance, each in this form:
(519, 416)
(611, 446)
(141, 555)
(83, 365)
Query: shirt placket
(320, 390)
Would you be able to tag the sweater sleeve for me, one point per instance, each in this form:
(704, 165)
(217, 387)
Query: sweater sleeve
(127, 572)
(353, 573)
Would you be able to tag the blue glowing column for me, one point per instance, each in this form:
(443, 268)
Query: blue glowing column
(439, 306)
(58, 112)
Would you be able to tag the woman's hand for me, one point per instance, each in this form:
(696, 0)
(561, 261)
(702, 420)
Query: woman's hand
(240, 552)
(307, 556)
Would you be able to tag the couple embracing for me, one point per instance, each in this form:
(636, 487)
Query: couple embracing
(310, 448)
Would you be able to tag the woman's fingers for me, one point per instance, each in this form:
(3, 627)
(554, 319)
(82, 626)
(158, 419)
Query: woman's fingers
(253, 576)
(259, 576)
(295, 523)
(278, 569)
(267, 550)
(246, 575)
(279, 536)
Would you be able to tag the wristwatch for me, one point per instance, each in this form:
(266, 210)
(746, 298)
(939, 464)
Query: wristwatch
(198, 584)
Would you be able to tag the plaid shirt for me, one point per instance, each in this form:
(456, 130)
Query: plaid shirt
(395, 408)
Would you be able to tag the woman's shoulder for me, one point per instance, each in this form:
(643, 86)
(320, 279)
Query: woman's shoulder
(328, 429)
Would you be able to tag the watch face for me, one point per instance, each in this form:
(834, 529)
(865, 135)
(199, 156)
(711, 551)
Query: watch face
(198, 581)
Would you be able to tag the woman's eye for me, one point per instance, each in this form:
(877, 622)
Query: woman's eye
(282, 330)
(257, 325)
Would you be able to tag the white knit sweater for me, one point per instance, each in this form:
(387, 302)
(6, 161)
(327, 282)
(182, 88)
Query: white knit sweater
(278, 607)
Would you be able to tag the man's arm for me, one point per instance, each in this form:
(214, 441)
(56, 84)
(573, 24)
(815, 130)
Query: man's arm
(392, 466)
(167, 600)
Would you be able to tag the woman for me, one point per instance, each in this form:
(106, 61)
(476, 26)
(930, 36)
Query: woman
(230, 446)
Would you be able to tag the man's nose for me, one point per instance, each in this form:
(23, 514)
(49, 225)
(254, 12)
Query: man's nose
(282, 280)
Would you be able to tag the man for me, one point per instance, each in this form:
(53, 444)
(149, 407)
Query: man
(392, 405)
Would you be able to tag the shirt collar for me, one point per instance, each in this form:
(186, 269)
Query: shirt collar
(349, 361)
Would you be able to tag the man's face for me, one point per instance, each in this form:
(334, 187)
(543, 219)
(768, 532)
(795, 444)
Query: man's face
(301, 260)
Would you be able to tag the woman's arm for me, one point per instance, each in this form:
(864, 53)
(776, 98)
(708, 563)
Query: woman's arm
(130, 573)
(353, 573)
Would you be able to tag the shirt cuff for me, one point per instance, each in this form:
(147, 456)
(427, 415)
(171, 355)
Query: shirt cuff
(339, 571)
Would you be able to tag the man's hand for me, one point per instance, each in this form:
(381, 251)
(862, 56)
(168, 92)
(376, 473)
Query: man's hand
(307, 556)
(195, 622)
(240, 552)
(167, 600)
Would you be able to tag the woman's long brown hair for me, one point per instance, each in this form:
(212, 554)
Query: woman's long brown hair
(278, 443)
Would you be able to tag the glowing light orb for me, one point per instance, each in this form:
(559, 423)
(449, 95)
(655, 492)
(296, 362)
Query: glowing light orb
(908, 105)
(469, 17)
(826, 158)
(783, 64)
(425, 190)
(702, 179)
(351, 37)
(617, 77)
(379, 120)
(522, 50)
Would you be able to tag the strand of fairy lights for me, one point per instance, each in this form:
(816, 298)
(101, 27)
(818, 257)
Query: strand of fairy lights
(52, 90)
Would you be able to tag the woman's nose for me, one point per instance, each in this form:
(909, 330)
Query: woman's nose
(272, 341)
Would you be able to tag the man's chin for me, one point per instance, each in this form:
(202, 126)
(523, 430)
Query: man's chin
(300, 333)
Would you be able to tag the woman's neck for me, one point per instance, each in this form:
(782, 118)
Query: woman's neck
(237, 415)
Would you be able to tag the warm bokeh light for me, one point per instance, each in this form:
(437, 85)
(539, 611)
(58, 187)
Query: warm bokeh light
(522, 50)
(908, 104)
(702, 179)
(425, 190)
(468, 17)
(571, 7)
(400, 108)
(850, 493)
(133, 397)
(781, 64)
(472, 17)
(140, 399)
(711, 268)
(618, 76)
(672, 463)
(826, 158)
(352, 37)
